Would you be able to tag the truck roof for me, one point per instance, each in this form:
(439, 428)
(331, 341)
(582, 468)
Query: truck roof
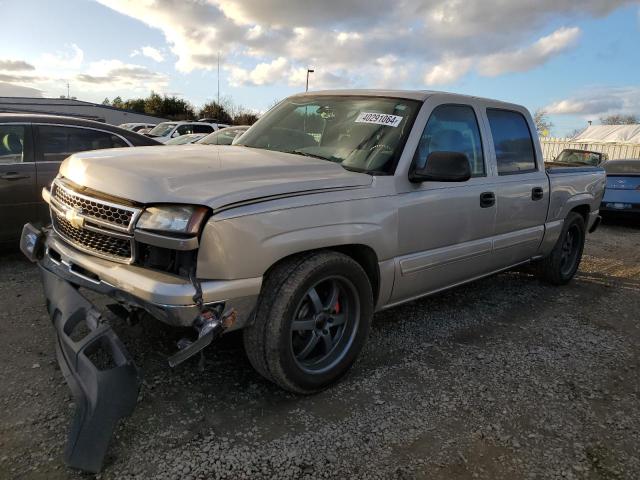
(420, 95)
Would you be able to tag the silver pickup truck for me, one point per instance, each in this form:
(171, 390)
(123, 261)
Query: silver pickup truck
(333, 206)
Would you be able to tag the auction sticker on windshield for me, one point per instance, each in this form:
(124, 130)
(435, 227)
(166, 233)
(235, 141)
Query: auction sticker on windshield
(379, 119)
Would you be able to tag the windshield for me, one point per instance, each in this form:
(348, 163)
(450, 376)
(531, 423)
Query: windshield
(222, 137)
(161, 129)
(364, 134)
(629, 167)
(580, 157)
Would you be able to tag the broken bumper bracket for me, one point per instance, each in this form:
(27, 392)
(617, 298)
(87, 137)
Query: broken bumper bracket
(103, 394)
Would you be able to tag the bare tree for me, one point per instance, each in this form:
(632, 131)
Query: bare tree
(543, 124)
(619, 119)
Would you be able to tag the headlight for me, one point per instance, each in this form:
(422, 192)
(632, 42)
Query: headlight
(173, 218)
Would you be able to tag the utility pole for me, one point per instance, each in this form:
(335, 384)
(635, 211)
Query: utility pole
(68, 96)
(218, 77)
(308, 72)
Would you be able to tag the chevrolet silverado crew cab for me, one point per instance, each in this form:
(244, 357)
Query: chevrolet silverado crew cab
(333, 206)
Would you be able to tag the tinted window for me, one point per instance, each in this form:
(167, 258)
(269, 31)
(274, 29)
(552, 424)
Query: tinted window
(57, 143)
(12, 143)
(184, 129)
(202, 129)
(453, 128)
(512, 142)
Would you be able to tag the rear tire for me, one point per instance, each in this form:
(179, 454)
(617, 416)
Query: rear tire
(563, 262)
(312, 320)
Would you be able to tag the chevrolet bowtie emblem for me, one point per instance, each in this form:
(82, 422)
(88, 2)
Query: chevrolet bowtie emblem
(73, 217)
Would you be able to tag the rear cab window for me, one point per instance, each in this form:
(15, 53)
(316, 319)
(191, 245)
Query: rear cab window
(512, 142)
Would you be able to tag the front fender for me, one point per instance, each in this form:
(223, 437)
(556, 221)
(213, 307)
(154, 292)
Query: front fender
(246, 246)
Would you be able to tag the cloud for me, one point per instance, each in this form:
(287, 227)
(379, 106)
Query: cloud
(447, 72)
(600, 101)
(115, 74)
(149, 52)
(524, 59)
(70, 59)
(8, 77)
(261, 74)
(10, 90)
(433, 40)
(15, 65)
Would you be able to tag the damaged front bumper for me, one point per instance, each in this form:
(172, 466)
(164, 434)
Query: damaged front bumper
(96, 365)
(100, 372)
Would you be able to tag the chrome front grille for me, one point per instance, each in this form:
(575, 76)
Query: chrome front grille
(94, 225)
(95, 242)
(118, 217)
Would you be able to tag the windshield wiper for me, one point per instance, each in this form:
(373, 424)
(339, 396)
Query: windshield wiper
(307, 154)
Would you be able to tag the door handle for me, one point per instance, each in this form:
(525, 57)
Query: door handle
(487, 199)
(537, 193)
(14, 176)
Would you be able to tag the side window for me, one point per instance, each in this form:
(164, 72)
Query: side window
(12, 143)
(184, 129)
(512, 142)
(202, 129)
(453, 128)
(57, 143)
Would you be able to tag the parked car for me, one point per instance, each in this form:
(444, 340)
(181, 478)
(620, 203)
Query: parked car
(186, 139)
(213, 120)
(31, 150)
(136, 127)
(622, 194)
(579, 158)
(332, 206)
(224, 136)
(167, 130)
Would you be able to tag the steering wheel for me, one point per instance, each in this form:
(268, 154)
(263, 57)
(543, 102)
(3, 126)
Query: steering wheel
(380, 146)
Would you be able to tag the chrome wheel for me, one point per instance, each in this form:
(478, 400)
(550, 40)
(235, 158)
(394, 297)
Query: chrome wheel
(324, 324)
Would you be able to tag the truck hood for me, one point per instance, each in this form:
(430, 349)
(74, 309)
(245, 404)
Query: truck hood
(215, 176)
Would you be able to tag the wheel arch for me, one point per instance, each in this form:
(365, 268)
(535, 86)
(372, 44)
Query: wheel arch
(362, 254)
(583, 210)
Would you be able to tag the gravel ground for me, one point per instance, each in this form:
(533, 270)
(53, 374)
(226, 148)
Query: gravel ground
(505, 378)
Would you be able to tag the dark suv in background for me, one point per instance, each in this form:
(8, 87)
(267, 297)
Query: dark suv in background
(31, 150)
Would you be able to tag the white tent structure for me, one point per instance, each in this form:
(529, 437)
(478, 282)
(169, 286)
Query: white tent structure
(609, 134)
(614, 141)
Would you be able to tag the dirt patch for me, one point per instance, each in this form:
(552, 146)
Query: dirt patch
(505, 378)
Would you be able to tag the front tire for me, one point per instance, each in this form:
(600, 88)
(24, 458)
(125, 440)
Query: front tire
(563, 262)
(312, 320)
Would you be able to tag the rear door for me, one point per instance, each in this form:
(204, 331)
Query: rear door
(522, 187)
(18, 195)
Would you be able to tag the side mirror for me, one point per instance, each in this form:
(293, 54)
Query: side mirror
(443, 167)
(175, 134)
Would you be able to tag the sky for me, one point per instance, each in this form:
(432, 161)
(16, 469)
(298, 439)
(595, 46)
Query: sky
(577, 59)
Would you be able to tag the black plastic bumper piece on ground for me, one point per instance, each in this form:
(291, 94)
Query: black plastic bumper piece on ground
(103, 395)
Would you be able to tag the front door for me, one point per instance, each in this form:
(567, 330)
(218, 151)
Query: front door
(445, 228)
(18, 196)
